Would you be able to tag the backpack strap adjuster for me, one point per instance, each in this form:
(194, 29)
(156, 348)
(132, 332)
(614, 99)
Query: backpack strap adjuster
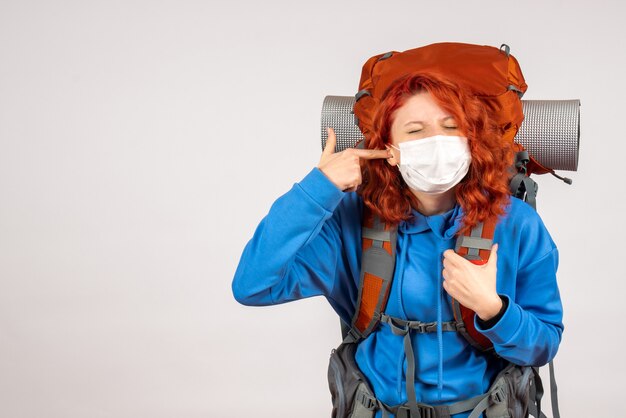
(367, 401)
(497, 396)
(474, 243)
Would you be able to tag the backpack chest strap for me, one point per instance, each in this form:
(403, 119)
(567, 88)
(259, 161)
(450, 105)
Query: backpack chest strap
(402, 327)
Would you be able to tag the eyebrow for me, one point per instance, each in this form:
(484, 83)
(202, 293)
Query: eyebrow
(419, 121)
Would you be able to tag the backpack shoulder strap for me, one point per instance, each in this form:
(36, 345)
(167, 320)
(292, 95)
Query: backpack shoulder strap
(476, 247)
(377, 267)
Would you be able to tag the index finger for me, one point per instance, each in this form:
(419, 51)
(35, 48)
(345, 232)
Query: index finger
(371, 154)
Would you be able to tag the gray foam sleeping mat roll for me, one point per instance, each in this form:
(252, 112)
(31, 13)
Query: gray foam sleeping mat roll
(550, 131)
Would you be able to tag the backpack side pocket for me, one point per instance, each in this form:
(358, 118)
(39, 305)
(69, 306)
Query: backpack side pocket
(348, 387)
(510, 393)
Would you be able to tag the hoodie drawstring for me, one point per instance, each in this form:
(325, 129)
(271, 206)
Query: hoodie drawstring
(440, 330)
(401, 265)
(403, 328)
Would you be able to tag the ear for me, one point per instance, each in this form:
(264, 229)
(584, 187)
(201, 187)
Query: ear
(395, 154)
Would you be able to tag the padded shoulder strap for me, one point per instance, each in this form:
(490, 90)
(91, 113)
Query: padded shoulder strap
(377, 268)
(476, 247)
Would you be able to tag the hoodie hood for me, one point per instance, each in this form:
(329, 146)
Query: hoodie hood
(444, 225)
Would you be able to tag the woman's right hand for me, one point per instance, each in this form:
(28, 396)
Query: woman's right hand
(343, 168)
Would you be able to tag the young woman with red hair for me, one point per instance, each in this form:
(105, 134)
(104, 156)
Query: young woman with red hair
(435, 167)
(482, 194)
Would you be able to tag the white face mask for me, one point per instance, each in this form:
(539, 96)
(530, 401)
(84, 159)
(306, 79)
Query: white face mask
(435, 164)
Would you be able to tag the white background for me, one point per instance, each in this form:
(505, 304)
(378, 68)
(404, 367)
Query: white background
(141, 142)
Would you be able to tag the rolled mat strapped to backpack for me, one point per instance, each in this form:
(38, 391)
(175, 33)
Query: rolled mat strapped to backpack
(550, 130)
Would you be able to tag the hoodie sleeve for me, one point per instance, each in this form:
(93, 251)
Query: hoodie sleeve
(529, 332)
(295, 251)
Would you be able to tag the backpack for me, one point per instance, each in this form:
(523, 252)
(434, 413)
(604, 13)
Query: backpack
(516, 391)
(548, 140)
(495, 77)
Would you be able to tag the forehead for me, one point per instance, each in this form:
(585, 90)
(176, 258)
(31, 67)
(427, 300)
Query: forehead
(420, 107)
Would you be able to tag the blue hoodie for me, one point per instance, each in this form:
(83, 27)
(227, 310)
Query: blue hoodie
(309, 244)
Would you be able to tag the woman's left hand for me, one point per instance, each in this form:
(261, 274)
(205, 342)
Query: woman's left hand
(472, 285)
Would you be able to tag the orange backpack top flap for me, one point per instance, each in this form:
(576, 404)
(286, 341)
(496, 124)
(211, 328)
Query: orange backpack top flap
(492, 74)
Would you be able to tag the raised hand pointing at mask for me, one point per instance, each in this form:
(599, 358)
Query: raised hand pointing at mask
(343, 168)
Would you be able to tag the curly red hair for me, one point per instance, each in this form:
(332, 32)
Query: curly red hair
(483, 193)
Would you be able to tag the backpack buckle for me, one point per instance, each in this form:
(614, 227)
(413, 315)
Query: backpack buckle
(423, 327)
(367, 401)
(423, 411)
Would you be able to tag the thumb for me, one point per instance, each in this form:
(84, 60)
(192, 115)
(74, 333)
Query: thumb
(493, 256)
(331, 143)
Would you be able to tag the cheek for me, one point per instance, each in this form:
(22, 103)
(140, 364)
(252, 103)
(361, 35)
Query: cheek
(393, 138)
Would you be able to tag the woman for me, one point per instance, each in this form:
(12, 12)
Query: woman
(435, 166)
